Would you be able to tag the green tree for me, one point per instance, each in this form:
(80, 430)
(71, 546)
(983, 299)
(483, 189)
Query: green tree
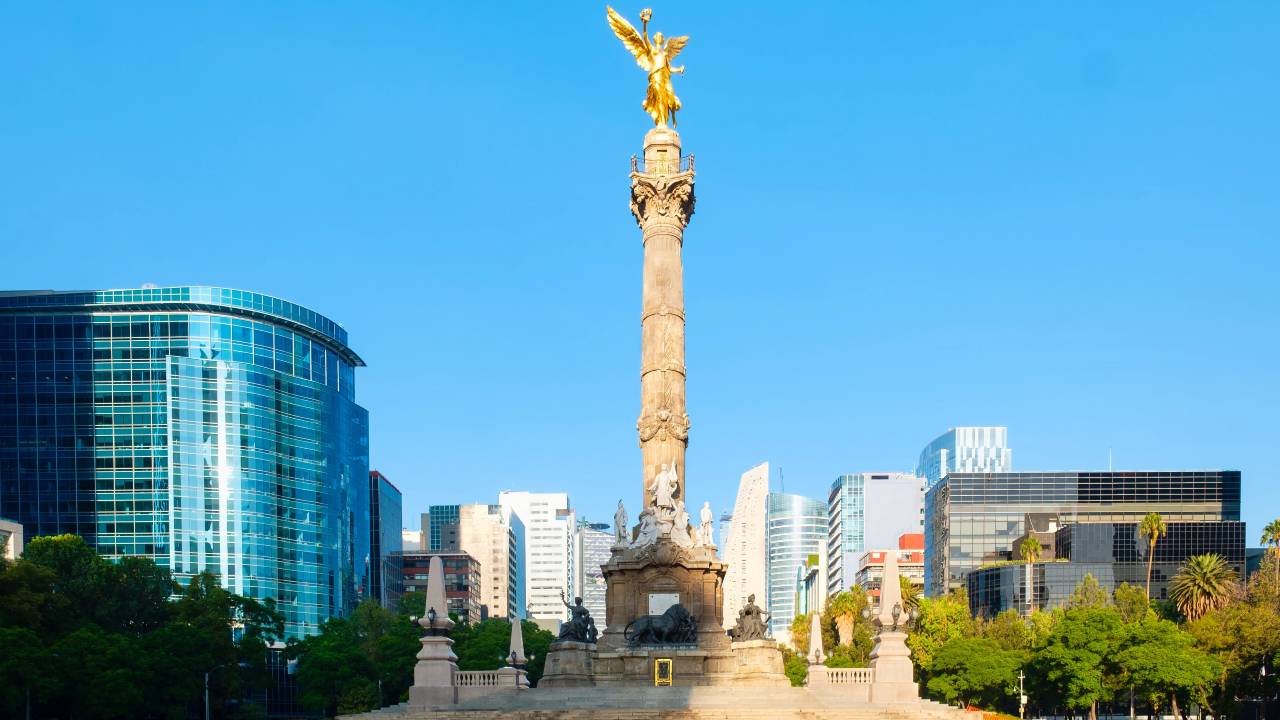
(795, 666)
(1243, 637)
(1088, 594)
(1132, 603)
(941, 620)
(1158, 660)
(1271, 536)
(1030, 551)
(1204, 583)
(1152, 528)
(977, 671)
(26, 672)
(333, 673)
(1008, 630)
(484, 646)
(28, 600)
(1076, 665)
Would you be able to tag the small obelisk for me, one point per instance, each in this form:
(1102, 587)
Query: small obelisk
(433, 675)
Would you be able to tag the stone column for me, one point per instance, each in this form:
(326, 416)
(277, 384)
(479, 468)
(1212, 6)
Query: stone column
(662, 201)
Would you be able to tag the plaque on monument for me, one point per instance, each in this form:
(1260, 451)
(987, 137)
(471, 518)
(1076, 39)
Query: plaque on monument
(660, 602)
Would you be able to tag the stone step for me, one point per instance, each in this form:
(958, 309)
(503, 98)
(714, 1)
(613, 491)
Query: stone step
(929, 711)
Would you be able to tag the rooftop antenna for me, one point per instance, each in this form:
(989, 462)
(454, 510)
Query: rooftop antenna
(782, 480)
(1109, 468)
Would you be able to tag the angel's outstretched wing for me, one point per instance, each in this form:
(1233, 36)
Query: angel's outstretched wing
(636, 43)
(675, 45)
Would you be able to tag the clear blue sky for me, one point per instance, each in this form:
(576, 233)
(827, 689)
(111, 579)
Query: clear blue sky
(1059, 217)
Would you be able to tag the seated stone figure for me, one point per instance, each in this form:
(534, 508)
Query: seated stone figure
(580, 628)
(753, 623)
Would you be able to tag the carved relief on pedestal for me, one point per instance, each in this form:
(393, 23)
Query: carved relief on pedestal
(667, 197)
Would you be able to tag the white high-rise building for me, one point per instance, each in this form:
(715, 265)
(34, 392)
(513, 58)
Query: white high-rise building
(744, 546)
(796, 538)
(494, 535)
(550, 551)
(966, 449)
(595, 544)
(868, 511)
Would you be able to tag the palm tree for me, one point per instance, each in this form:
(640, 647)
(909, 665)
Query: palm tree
(845, 607)
(1030, 551)
(1152, 528)
(1204, 583)
(910, 594)
(1271, 536)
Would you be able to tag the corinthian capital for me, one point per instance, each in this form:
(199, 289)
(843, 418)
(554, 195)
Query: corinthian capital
(662, 196)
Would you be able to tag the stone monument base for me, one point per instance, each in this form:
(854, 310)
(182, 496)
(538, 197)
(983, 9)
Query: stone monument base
(758, 663)
(893, 670)
(569, 664)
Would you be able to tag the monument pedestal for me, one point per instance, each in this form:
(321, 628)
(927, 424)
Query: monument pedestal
(569, 664)
(646, 580)
(893, 680)
(758, 663)
(433, 675)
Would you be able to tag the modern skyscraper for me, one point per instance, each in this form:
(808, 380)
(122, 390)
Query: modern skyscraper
(866, 511)
(439, 527)
(207, 429)
(974, 518)
(796, 530)
(493, 536)
(595, 543)
(384, 540)
(1112, 552)
(966, 449)
(550, 550)
(744, 546)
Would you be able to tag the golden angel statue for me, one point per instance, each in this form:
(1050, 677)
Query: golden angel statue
(655, 58)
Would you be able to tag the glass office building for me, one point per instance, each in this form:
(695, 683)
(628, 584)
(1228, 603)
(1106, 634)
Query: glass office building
(1113, 553)
(385, 519)
(972, 519)
(966, 449)
(795, 530)
(868, 511)
(440, 528)
(207, 429)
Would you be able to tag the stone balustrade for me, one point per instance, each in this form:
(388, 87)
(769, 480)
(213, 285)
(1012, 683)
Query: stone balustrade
(478, 678)
(849, 676)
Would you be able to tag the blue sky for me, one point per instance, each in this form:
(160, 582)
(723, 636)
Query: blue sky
(1061, 218)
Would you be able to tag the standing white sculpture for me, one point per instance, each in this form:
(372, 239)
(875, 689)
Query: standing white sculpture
(705, 528)
(620, 525)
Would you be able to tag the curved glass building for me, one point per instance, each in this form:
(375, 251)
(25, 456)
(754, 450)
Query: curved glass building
(795, 531)
(205, 428)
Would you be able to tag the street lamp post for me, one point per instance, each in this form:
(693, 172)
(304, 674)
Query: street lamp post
(1022, 695)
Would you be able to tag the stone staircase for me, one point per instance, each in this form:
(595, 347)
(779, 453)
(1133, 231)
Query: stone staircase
(678, 703)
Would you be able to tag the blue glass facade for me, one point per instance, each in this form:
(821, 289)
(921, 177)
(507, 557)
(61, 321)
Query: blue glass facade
(385, 521)
(205, 428)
